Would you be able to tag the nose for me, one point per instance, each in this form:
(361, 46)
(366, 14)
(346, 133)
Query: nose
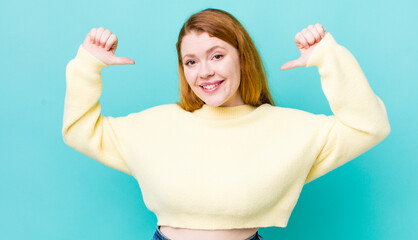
(206, 70)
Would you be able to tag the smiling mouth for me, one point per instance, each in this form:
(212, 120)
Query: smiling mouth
(211, 86)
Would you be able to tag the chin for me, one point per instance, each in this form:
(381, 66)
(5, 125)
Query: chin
(214, 103)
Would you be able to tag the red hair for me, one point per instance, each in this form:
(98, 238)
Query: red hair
(217, 23)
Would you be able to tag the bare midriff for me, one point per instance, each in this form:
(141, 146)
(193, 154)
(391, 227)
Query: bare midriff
(193, 234)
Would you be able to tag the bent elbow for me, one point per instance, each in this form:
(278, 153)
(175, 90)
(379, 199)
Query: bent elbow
(385, 130)
(381, 131)
(382, 128)
(67, 134)
(65, 137)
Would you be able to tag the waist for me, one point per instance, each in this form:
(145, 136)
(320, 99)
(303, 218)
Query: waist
(224, 234)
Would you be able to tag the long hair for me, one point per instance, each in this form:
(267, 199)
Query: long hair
(218, 23)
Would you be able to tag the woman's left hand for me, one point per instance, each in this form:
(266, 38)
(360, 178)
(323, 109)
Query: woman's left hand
(306, 41)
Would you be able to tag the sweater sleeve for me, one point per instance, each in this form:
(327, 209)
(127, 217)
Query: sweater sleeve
(360, 120)
(84, 128)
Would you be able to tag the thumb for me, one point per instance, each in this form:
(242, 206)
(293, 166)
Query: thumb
(123, 60)
(292, 64)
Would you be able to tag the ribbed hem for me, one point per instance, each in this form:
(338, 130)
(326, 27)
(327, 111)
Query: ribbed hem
(221, 113)
(274, 218)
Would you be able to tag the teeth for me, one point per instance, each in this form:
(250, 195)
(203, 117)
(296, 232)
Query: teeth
(211, 86)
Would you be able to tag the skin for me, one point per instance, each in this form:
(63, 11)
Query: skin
(208, 59)
(306, 41)
(102, 44)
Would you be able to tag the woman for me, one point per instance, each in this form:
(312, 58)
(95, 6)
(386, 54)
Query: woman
(224, 161)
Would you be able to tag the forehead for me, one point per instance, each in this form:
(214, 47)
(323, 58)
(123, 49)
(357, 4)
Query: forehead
(195, 43)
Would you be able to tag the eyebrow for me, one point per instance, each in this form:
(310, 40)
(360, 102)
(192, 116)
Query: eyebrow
(207, 52)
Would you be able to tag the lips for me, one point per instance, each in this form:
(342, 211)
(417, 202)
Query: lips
(214, 88)
(210, 83)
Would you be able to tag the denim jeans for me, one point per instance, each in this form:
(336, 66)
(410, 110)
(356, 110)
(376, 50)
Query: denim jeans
(158, 235)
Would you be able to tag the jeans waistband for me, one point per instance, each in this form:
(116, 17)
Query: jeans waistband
(158, 235)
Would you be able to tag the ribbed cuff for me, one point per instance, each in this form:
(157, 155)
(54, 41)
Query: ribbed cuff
(326, 46)
(88, 60)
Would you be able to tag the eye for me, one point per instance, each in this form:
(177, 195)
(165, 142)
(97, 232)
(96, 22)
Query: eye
(218, 56)
(190, 62)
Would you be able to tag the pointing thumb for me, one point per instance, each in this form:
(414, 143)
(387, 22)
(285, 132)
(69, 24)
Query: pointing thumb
(292, 64)
(123, 60)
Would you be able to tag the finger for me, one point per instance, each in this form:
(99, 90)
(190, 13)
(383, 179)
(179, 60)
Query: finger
(92, 34)
(123, 60)
(105, 35)
(98, 35)
(300, 40)
(291, 64)
(315, 33)
(112, 39)
(320, 29)
(308, 36)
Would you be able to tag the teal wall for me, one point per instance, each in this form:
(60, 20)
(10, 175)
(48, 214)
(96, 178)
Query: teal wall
(50, 191)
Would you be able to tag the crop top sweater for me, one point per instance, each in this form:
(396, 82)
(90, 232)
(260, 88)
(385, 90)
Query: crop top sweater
(227, 167)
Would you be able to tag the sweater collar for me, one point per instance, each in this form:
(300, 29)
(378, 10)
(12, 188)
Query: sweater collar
(222, 113)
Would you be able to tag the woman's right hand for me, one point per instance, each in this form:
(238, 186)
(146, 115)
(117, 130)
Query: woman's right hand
(102, 44)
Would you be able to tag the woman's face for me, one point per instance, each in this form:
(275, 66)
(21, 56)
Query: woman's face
(212, 69)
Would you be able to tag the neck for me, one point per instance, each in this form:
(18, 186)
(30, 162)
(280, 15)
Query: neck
(221, 113)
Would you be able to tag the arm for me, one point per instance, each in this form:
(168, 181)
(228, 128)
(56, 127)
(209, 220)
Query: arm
(360, 120)
(84, 128)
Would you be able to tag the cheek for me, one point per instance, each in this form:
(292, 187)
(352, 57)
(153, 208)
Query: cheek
(190, 76)
(232, 70)
(236, 73)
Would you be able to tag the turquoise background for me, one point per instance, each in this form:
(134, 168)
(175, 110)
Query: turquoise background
(50, 191)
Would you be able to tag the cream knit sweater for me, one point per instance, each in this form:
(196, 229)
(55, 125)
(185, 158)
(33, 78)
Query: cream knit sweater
(227, 167)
